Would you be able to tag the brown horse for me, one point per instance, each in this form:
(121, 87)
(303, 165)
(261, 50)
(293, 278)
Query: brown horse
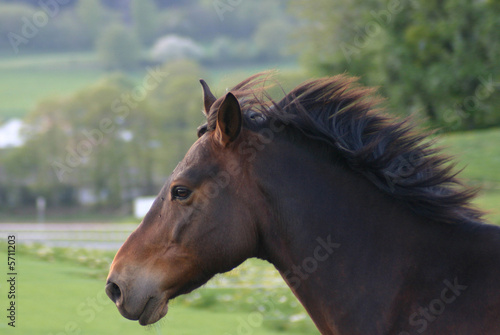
(362, 216)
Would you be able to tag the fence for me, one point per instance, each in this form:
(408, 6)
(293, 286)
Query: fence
(109, 236)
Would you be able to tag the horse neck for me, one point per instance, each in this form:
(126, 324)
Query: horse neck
(336, 239)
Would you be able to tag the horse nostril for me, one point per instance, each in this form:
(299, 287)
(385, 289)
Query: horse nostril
(113, 291)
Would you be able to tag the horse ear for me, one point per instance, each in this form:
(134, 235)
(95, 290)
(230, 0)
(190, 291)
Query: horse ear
(208, 97)
(228, 120)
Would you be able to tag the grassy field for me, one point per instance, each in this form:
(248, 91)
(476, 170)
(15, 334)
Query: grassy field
(479, 153)
(62, 292)
(20, 90)
(28, 79)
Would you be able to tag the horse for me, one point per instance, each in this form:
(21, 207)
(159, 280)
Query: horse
(361, 213)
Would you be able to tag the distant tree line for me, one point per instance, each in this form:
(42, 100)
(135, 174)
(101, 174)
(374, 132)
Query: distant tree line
(245, 31)
(110, 142)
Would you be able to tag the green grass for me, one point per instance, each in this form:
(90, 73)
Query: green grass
(490, 202)
(20, 90)
(59, 60)
(26, 80)
(56, 295)
(478, 153)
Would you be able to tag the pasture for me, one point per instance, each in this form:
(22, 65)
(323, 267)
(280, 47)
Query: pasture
(28, 79)
(20, 90)
(478, 153)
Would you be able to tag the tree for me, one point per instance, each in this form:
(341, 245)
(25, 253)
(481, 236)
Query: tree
(117, 138)
(83, 142)
(118, 48)
(145, 20)
(436, 59)
(93, 17)
(29, 167)
(446, 54)
(179, 101)
(333, 37)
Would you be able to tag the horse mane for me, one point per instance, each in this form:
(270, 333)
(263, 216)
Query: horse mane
(389, 151)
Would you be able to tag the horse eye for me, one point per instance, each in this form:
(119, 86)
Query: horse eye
(180, 193)
(257, 117)
(202, 130)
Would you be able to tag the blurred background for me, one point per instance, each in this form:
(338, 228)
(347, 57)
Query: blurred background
(100, 99)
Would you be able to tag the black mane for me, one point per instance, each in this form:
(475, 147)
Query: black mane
(390, 152)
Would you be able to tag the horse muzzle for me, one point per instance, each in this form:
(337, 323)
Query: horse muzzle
(143, 302)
